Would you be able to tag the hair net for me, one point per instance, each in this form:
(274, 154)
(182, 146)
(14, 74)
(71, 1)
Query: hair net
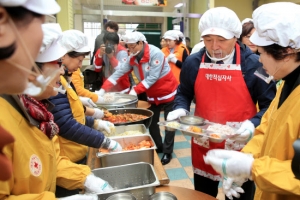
(173, 35)
(220, 21)
(74, 40)
(133, 37)
(51, 50)
(277, 23)
(246, 20)
(43, 7)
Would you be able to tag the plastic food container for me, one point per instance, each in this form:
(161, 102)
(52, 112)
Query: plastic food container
(163, 196)
(130, 156)
(138, 179)
(121, 196)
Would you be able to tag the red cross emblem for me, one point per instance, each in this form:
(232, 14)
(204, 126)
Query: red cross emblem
(35, 165)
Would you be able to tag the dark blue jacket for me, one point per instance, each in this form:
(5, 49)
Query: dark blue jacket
(69, 128)
(261, 92)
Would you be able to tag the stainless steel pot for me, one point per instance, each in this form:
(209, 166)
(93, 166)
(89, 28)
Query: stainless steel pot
(139, 111)
(131, 103)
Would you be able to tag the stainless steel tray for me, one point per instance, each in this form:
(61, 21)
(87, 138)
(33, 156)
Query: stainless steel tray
(122, 129)
(131, 156)
(205, 133)
(139, 179)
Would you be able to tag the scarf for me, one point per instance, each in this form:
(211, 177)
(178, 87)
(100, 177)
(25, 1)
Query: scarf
(38, 111)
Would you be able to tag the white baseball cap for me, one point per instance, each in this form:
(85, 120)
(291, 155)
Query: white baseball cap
(277, 23)
(43, 7)
(133, 37)
(74, 40)
(173, 35)
(51, 50)
(220, 21)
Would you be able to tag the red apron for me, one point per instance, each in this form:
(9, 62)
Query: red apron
(222, 97)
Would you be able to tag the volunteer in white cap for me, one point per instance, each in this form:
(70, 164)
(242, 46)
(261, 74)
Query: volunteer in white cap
(247, 30)
(267, 158)
(16, 38)
(226, 92)
(19, 20)
(77, 131)
(35, 153)
(78, 47)
(175, 51)
(156, 79)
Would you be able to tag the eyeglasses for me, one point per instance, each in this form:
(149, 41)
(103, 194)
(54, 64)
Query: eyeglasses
(57, 62)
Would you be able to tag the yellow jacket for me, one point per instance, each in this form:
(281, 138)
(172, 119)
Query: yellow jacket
(37, 166)
(272, 148)
(78, 81)
(74, 151)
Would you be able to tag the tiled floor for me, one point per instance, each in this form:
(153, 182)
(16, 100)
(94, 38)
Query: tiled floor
(180, 170)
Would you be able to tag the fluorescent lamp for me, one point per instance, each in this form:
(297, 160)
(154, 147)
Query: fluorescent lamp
(178, 5)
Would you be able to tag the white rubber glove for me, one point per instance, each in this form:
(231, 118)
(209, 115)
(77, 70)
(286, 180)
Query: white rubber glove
(230, 163)
(103, 125)
(175, 114)
(100, 99)
(88, 102)
(132, 92)
(80, 197)
(232, 187)
(111, 145)
(98, 114)
(100, 92)
(95, 184)
(245, 132)
(172, 58)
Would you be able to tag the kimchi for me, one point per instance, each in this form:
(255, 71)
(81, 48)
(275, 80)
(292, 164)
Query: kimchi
(122, 118)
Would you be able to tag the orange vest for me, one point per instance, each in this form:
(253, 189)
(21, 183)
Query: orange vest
(178, 51)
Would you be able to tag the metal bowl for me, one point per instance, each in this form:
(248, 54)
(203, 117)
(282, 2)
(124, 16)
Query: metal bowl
(191, 120)
(163, 196)
(131, 103)
(122, 196)
(139, 111)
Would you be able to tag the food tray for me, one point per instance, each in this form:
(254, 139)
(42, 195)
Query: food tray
(205, 133)
(139, 179)
(130, 156)
(121, 129)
